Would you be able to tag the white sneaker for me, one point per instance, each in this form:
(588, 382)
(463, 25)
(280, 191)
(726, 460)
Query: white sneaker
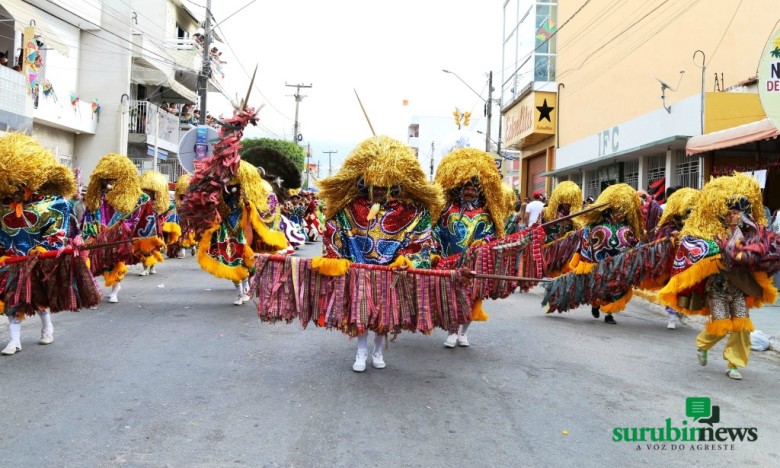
(451, 341)
(245, 298)
(144, 273)
(113, 297)
(238, 300)
(682, 318)
(181, 254)
(360, 362)
(463, 341)
(11, 349)
(378, 361)
(733, 373)
(46, 338)
(152, 270)
(670, 325)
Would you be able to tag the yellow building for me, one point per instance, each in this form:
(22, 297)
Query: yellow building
(631, 90)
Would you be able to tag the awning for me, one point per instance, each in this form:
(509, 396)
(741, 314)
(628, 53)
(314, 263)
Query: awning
(161, 153)
(23, 14)
(154, 77)
(748, 133)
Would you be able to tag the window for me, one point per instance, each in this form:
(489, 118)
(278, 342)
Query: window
(181, 33)
(631, 173)
(656, 168)
(594, 184)
(687, 171)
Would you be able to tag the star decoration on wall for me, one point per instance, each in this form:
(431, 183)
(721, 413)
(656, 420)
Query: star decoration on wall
(544, 111)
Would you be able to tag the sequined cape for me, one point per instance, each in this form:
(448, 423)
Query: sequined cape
(142, 222)
(457, 229)
(398, 229)
(44, 222)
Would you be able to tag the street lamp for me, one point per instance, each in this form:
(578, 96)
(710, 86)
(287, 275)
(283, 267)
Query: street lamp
(488, 103)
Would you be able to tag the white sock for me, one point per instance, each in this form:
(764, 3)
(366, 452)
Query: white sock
(46, 327)
(245, 286)
(464, 328)
(239, 288)
(363, 344)
(379, 343)
(15, 330)
(115, 289)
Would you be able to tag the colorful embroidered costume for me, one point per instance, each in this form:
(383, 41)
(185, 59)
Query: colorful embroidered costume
(610, 230)
(35, 217)
(155, 185)
(379, 211)
(476, 208)
(729, 209)
(227, 248)
(117, 208)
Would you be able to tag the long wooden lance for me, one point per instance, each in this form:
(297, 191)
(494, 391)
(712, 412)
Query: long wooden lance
(574, 215)
(364, 112)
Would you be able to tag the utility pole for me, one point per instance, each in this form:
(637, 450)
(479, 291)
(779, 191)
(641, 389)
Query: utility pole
(489, 110)
(205, 72)
(298, 99)
(330, 164)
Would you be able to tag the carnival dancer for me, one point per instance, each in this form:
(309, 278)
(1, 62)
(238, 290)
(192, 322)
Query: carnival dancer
(566, 198)
(379, 212)
(728, 212)
(155, 186)
(609, 230)
(187, 239)
(117, 207)
(278, 170)
(311, 218)
(474, 214)
(227, 248)
(34, 217)
(677, 208)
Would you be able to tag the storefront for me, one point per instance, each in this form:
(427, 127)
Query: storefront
(529, 127)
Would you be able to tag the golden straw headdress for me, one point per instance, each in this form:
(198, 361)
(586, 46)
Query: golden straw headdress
(127, 188)
(567, 192)
(467, 164)
(619, 198)
(707, 220)
(155, 182)
(252, 186)
(678, 205)
(380, 161)
(182, 187)
(24, 163)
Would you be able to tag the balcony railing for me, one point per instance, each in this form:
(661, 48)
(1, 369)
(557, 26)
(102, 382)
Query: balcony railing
(145, 118)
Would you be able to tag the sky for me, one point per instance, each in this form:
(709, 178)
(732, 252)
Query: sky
(387, 51)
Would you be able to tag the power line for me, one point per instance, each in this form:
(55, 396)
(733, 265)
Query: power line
(724, 32)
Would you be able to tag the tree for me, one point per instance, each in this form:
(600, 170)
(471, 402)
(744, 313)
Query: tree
(288, 148)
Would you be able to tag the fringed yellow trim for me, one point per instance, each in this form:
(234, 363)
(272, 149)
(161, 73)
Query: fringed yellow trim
(189, 241)
(478, 313)
(275, 240)
(146, 245)
(116, 275)
(687, 279)
(769, 292)
(719, 327)
(617, 306)
(331, 266)
(172, 228)
(153, 259)
(580, 266)
(401, 262)
(3, 258)
(741, 324)
(217, 269)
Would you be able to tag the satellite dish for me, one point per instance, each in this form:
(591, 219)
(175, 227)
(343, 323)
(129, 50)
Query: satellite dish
(196, 145)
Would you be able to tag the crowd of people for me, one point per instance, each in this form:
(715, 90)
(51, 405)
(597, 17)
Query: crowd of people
(380, 210)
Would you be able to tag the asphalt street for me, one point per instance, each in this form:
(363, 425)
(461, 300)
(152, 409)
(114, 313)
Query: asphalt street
(176, 375)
